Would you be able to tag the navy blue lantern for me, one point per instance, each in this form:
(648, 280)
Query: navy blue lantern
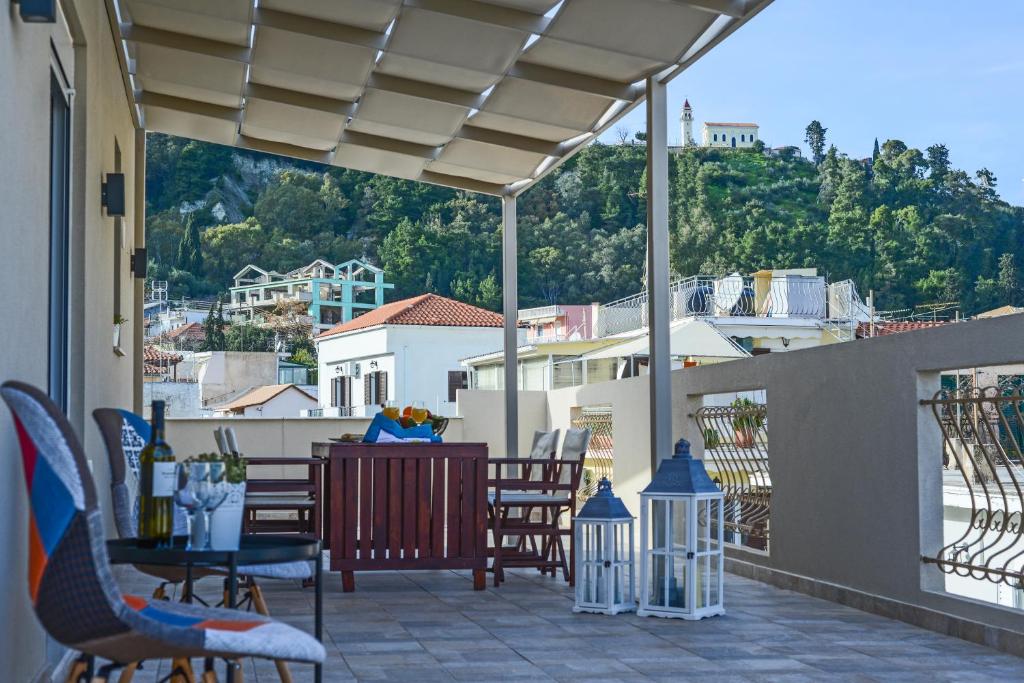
(681, 541)
(605, 561)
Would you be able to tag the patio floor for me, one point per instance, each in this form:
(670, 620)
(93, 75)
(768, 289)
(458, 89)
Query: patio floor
(429, 626)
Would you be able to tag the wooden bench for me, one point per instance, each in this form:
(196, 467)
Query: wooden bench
(300, 495)
(406, 507)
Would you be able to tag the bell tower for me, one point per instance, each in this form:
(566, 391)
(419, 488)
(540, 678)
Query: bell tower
(686, 118)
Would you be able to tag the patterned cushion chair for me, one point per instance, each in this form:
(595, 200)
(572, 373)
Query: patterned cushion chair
(72, 588)
(125, 434)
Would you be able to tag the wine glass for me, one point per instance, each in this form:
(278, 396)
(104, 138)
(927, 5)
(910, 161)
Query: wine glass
(419, 412)
(212, 495)
(185, 497)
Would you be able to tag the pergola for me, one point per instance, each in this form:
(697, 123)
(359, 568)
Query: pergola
(481, 95)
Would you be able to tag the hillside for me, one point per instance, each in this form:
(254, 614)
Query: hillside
(906, 225)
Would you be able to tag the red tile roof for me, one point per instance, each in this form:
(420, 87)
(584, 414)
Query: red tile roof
(155, 356)
(426, 309)
(884, 328)
(192, 331)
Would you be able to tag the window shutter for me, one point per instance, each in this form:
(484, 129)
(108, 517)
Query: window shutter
(382, 387)
(368, 388)
(456, 380)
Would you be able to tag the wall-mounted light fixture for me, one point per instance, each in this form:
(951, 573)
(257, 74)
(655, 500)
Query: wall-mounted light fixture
(37, 11)
(112, 195)
(373, 365)
(139, 263)
(785, 342)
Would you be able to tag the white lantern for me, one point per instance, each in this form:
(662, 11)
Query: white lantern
(681, 538)
(604, 555)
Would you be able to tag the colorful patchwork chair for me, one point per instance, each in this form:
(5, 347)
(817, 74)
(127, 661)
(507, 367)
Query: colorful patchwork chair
(75, 596)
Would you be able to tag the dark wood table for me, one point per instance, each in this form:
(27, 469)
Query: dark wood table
(407, 506)
(253, 549)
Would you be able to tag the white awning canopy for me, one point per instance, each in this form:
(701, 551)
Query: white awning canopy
(486, 96)
(692, 337)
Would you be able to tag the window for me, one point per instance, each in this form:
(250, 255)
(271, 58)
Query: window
(716, 137)
(457, 379)
(118, 241)
(60, 139)
(341, 392)
(375, 388)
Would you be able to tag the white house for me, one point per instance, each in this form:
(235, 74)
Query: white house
(404, 351)
(273, 400)
(730, 134)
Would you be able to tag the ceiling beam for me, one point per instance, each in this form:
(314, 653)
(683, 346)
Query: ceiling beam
(510, 140)
(187, 106)
(571, 80)
(412, 149)
(485, 13)
(283, 149)
(460, 183)
(730, 8)
(134, 33)
(426, 91)
(303, 100)
(318, 28)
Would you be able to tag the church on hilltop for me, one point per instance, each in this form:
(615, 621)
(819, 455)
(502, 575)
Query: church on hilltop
(717, 134)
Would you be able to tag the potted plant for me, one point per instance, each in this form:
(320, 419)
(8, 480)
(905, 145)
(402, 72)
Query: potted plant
(712, 438)
(226, 521)
(746, 421)
(118, 322)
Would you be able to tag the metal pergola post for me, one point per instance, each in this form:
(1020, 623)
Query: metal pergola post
(510, 300)
(660, 363)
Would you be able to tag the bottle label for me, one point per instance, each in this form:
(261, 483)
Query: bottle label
(163, 479)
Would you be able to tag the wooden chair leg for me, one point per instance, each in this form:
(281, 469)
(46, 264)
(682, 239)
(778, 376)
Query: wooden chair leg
(78, 670)
(183, 671)
(260, 605)
(160, 593)
(128, 673)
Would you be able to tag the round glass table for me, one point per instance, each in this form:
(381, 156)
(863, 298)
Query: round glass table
(253, 549)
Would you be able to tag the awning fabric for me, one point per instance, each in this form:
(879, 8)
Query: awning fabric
(484, 95)
(693, 337)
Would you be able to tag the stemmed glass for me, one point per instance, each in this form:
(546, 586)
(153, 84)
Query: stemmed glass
(185, 496)
(211, 493)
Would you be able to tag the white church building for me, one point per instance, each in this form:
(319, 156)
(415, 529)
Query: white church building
(717, 134)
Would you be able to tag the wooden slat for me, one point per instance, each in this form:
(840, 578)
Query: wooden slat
(409, 504)
(453, 500)
(468, 508)
(481, 513)
(365, 506)
(437, 509)
(336, 512)
(380, 507)
(350, 497)
(423, 508)
(394, 508)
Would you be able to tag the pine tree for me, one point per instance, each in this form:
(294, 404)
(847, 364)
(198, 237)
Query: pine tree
(815, 139)
(875, 152)
(190, 255)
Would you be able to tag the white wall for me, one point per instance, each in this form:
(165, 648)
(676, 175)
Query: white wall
(727, 133)
(417, 359)
(224, 372)
(98, 377)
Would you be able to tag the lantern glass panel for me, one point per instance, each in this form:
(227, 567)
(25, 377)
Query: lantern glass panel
(703, 580)
(703, 526)
(679, 510)
(659, 525)
(677, 583)
(658, 572)
(714, 594)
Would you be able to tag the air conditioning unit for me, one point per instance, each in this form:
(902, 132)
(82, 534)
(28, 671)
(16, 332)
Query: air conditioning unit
(350, 369)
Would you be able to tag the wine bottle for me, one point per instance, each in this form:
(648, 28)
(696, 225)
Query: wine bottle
(156, 485)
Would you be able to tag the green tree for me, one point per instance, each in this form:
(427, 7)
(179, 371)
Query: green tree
(248, 338)
(814, 136)
(190, 254)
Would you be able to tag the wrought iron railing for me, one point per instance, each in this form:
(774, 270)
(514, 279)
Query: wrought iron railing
(598, 461)
(982, 439)
(736, 457)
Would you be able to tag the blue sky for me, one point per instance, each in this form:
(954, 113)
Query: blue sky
(922, 71)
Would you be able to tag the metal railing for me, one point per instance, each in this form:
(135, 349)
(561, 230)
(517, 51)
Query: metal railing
(982, 431)
(791, 296)
(736, 455)
(540, 312)
(599, 459)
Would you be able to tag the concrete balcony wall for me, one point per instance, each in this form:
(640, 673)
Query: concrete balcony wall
(855, 463)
